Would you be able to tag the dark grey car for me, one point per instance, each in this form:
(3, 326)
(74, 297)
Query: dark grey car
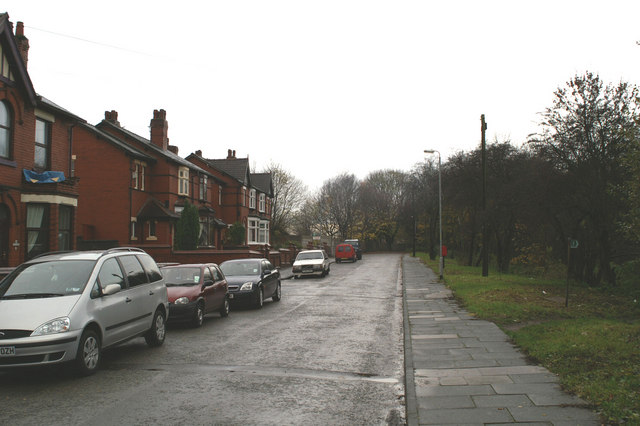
(252, 281)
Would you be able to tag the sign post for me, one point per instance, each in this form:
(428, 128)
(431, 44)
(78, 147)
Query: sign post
(571, 244)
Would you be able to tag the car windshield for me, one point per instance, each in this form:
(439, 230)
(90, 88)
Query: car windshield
(231, 269)
(309, 255)
(47, 279)
(187, 275)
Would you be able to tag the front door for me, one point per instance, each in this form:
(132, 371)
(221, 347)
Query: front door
(4, 235)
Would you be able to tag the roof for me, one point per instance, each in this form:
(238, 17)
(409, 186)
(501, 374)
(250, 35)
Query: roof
(166, 154)
(154, 209)
(237, 168)
(128, 149)
(262, 182)
(18, 68)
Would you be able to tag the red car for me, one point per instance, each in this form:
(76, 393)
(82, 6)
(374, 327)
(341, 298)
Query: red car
(195, 290)
(345, 252)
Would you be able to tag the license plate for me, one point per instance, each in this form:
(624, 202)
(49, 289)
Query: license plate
(231, 296)
(7, 350)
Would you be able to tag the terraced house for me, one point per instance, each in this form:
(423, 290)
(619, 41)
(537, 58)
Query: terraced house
(67, 184)
(38, 186)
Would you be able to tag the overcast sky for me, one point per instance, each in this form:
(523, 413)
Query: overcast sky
(324, 87)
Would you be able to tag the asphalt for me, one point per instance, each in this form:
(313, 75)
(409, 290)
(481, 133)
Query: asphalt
(465, 371)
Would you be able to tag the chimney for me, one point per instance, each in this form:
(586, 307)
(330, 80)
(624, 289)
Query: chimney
(199, 153)
(231, 154)
(173, 149)
(112, 117)
(159, 129)
(23, 43)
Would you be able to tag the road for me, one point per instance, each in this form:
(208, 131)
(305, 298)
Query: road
(330, 352)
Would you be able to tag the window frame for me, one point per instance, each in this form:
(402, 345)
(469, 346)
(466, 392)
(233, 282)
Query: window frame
(42, 236)
(7, 128)
(42, 146)
(62, 232)
(183, 181)
(252, 198)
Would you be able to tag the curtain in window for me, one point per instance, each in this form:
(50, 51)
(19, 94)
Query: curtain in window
(4, 130)
(35, 218)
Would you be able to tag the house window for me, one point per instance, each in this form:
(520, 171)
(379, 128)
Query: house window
(5, 68)
(262, 202)
(203, 187)
(5, 131)
(133, 228)
(204, 239)
(252, 231)
(243, 202)
(43, 142)
(152, 230)
(137, 176)
(183, 181)
(252, 199)
(219, 195)
(263, 232)
(134, 176)
(37, 229)
(258, 232)
(65, 220)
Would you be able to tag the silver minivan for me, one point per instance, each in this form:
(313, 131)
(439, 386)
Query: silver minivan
(69, 306)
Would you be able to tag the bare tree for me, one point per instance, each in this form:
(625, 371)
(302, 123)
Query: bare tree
(382, 201)
(338, 199)
(289, 194)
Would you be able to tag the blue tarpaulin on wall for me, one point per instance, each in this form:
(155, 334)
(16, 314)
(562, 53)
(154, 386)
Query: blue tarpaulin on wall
(43, 177)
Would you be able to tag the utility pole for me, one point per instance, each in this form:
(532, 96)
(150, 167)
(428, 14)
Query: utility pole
(485, 237)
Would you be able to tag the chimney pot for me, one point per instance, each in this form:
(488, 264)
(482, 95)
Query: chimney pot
(22, 42)
(160, 129)
(199, 153)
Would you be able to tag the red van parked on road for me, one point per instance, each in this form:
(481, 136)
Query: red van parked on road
(345, 252)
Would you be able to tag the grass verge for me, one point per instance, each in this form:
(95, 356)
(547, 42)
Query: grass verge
(593, 344)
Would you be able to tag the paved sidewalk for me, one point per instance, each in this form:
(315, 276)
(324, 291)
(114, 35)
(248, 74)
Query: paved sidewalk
(464, 371)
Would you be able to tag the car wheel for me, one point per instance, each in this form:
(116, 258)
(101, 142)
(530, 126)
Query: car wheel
(89, 353)
(155, 335)
(198, 315)
(278, 294)
(224, 311)
(259, 299)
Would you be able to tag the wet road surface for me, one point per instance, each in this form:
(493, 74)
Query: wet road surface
(330, 352)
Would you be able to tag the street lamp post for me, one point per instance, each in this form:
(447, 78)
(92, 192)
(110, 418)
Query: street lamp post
(441, 260)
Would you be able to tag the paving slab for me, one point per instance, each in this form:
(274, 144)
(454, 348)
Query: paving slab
(465, 371)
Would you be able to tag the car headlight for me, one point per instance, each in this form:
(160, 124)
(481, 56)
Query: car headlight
(181, 300)
(247, 286)
(58, 325)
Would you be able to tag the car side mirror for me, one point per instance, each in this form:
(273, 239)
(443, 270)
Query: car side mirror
(266, 272)
(111, 289)
(207, 283)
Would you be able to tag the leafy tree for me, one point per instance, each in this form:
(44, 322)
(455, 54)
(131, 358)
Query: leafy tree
(188, 228)
(237, 233)
(586, 134)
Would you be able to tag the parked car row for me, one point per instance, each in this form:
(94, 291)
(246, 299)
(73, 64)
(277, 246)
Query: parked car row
(68, 307)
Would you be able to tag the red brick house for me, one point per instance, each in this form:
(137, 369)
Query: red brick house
(134, 189)
(38, 188)
(246, 197)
